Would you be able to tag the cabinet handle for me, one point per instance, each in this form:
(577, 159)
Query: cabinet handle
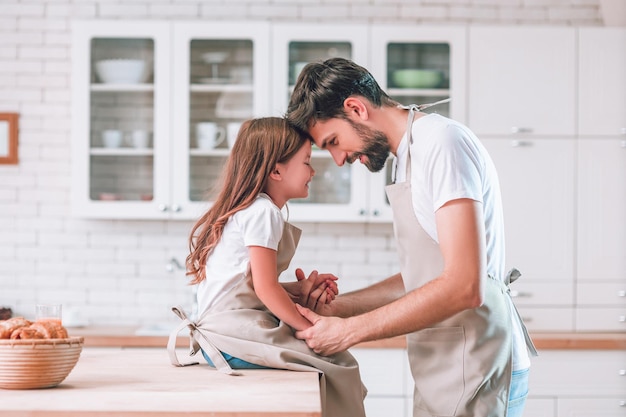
(162, 207)
(622, 319)
(176, 208)
(622, 403)
(521, 143)
(622, 372)
(376, 213)
(621, 293)
(516, 129)
(362, 212)
(527, 319)
(520, 294)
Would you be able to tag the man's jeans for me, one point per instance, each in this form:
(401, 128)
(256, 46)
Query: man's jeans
(518, 394)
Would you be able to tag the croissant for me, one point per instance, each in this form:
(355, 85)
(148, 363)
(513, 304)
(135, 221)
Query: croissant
(7, 327)
(20, 328)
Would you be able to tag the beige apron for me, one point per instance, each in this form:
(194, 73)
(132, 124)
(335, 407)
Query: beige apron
(240, 325)
(462, 365)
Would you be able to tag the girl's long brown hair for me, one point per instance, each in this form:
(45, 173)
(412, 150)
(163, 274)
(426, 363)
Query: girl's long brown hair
(260, 145)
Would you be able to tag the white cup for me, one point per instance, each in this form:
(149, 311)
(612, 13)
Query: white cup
(232, 129)
(112, 138)
(140, 138)
(209, 135)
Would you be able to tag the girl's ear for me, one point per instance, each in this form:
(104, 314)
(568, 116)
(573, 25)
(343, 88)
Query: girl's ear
(354, 106)
(275, 174)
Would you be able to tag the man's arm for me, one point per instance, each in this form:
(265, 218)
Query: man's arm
(460, 228)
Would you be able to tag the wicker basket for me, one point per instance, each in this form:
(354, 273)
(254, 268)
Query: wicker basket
(37, 363)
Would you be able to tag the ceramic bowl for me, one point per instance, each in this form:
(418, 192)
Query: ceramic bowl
(416, 78)
(215, 57)
(122, 71)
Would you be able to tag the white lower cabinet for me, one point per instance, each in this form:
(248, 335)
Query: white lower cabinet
(563, 383)
(387, 376)
(577, 383)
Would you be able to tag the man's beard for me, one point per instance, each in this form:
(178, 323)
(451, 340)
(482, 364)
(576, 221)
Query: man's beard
(375, 147)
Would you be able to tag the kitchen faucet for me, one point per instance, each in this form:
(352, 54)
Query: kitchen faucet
(173, 265)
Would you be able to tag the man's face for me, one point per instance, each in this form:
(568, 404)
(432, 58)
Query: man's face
(349, 140)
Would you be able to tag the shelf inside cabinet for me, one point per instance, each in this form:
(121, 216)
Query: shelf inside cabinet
(221, 88)
(209, 152)
(122, 151)
(434, 92)
(122, 87)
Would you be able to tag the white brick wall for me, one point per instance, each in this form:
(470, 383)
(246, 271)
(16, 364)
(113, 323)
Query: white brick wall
(114, 271)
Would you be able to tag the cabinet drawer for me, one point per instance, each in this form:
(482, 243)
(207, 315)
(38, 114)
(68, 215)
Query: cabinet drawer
(580, 373)
(542, 294)
(547, 319)
(590, 319)
(601, 294)
(591, 407)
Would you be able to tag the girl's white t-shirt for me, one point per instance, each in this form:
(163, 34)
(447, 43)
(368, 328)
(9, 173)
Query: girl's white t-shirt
(260, 224)
(448, 162)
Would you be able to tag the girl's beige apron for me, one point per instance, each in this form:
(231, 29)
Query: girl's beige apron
(240, 325)
(461, 366)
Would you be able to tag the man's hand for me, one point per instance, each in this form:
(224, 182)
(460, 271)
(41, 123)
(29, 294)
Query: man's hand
(327, 336)
(316, 292)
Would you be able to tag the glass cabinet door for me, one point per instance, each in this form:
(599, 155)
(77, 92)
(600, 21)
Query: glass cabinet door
(334, 192)
(418, 65)
(220, 80)
(120, 119)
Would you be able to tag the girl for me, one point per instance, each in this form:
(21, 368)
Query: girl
(238, 250)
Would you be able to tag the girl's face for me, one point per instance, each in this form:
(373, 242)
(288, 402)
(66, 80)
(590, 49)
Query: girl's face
(297, 173)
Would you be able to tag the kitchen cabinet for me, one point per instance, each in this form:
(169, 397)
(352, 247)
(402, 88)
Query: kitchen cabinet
(352, 193)
(538, 195)
(601, 284)
(387, 377)
(522, 81)
(568, 383)
(111, 179)
(196, 73)
(601, 82)
(335, 193)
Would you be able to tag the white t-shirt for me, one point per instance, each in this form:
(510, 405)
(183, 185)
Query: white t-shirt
(448, 162)
(260, 224)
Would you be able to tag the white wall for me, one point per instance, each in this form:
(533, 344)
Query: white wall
(114, 271)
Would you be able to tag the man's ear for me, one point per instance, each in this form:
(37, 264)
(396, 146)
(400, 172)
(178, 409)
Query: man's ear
(355, 107)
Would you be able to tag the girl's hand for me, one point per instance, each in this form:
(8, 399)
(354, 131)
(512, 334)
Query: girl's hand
(315, 292)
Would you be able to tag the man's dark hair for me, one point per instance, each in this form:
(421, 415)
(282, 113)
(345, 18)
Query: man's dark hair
(322, 87)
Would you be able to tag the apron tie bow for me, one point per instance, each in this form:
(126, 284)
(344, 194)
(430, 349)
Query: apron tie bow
(197, 340)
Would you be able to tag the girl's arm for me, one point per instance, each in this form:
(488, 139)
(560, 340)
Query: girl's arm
(270, 291)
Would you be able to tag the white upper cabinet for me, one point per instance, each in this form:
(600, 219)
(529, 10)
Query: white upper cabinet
(121, 125)
(522, 80)
(142, 143)
(335, 193)
(601, 210)
(422, 64)
(350, 192)
(220, 80)
(602, 82)
(537, 183)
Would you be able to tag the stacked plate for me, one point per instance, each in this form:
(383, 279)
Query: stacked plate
(37, 363)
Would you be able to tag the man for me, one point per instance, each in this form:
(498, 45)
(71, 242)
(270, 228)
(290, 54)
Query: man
(467, 346)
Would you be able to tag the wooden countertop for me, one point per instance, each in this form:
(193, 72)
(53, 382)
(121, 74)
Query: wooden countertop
(141, 382)
(132, 336)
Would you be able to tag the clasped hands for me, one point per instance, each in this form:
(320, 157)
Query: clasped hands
(313, 297)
